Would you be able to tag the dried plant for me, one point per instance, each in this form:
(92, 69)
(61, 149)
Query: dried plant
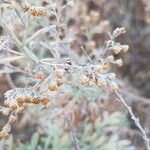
(51, 52)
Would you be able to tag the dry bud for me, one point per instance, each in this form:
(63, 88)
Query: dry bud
(59, 82)
(12, 119)
(37, 11)
(104, 65)
(117, 49)
(19, 109)
(101, 82)
(110, 58)
(59, 73)
(113, 86)
(71, 3)
(4, 133)
(125, 48)
(119, 31)
(25, 6)
(119, 62)
(45, 100)
(112, 76)
(39, 75)
(84, 79)
(53, 86)
(5, 111)
(90, 45)
(94, 16)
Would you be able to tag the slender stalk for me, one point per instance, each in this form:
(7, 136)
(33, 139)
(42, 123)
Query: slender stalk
(135, 119)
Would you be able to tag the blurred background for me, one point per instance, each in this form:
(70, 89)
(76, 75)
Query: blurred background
(91, 119)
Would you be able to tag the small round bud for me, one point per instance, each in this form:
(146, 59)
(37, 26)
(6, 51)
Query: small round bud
(59, 73)
(45, 100)
(21, 100)
(125, 48)
(101, 82)
(37, 11)
(110, 58)
(112, 76)
(35, 100)
(113, 86)
(95, 16)
(5, 111)
(53, 86)
(119, 31)
(59, 82)
(104, 65)
(84, 79)
(119, 62)
(25, 6)
(39, 75)
(117, 49)
(90, 45)
(12, 119)
(71, 3)
(19, 109)
(4, 133)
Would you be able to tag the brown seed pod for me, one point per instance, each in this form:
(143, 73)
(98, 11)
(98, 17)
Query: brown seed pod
(53, 86)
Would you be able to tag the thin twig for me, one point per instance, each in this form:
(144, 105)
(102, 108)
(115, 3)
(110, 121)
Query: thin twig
(69, 123)
(136, 120)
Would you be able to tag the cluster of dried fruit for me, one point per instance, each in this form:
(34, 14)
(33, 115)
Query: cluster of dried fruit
(32, 10)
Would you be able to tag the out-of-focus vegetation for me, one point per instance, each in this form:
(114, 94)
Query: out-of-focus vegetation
(62, 64)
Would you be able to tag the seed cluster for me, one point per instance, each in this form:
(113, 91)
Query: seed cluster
(32, 10)
(18, 97)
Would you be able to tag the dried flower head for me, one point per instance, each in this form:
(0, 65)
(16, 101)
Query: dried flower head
(12, 119)
(59, 81)
(39, 75)
(17, 96)
(112, 76)
(101, 82)
(53, 86)
(37, 11)
(84, 79)
(119, 62)
(45, 100)
(125, 48)
(117, 48)
(4, 133)
(110, 58)
(25, 6)
(119, 31)
(59, 73)
(113, 86)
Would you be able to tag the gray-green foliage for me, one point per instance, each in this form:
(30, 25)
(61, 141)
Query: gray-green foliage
(104, 137)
